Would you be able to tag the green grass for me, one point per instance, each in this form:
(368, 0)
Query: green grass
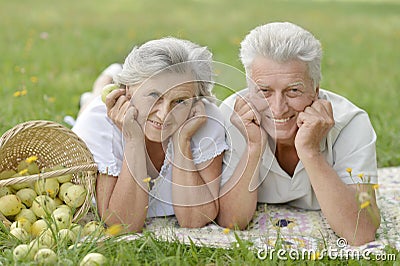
(360, 41)
(55, 50)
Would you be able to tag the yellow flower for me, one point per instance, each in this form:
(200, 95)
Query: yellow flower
(375, 186)
(17, 94)
(361, 176)
(51, 99)
(114, 229)
(24, 92)
(147, 180)
(34, 79)
(348, 170)
(31, 159)
(365, 204)
(23, 172)
(315, 256)
(226, 231)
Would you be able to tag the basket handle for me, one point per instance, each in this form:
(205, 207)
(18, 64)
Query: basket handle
(54, 173)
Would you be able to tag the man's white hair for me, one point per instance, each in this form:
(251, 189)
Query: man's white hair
(282, 42)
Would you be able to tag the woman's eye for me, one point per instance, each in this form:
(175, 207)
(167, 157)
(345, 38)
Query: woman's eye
(154, 95)
(180, 101)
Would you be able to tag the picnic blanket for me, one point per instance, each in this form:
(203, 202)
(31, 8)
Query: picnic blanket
(295, 228)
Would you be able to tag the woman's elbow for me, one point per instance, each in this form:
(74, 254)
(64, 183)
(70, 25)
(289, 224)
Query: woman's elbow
(197, 221)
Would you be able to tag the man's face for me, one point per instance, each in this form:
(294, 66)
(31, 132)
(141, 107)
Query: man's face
(288, 89)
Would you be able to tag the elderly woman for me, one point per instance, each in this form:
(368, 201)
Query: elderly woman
(292, 141)
(157, 140)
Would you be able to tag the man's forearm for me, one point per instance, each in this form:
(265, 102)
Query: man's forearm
(237, 202)
(339, 204)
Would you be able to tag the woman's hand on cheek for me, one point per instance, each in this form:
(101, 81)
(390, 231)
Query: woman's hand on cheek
(117, 104)
(131, 127)
(197, 117)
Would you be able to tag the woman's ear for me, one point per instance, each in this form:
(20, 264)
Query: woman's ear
(316, 93)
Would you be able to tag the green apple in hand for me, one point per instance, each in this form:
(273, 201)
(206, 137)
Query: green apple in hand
(106, 90)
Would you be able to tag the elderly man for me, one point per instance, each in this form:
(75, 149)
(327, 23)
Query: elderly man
(292, 142)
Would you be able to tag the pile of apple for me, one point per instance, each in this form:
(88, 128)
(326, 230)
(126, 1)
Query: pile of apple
(40, 212)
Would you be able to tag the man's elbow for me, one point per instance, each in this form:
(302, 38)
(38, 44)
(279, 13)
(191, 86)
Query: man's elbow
(362, 237)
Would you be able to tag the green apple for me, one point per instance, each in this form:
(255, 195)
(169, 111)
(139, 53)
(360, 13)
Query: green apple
(106, 90)
(26, 195)
(22, 223)
(47, 238)
(7, 174)
(48, 186)
(20, 233)
(62, 178)
(5, 191)
(27, 214)
(66, 208)
(66, 236)
(63, 189)
(33, 168)
(93, 228)
(75, 196)
(38, 227)
(58, 201)
(34, 246)
(62, 218)
(10, 205)
(19, 186)
(22, 165)
(21, 252)
(76, 229)
(45, 256)
(43, 205)
(93, 259)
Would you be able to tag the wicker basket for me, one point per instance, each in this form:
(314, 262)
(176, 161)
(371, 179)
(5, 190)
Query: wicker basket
(53, 144)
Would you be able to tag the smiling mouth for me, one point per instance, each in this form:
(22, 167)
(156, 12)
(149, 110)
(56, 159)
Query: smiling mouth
(157, 124)
(280, 120)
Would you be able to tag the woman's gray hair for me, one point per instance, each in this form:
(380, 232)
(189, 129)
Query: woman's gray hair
(172, 55)
(282, 42)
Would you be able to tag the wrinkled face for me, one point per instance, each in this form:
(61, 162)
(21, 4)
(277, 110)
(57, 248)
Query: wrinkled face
(163, 103)
(288, 89)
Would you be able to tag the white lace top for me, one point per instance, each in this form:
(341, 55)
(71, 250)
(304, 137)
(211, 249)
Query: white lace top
(105, 141)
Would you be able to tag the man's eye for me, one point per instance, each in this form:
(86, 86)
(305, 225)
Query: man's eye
(294, 92)
(265, 91)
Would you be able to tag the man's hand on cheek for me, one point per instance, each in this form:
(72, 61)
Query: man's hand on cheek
(314, 124)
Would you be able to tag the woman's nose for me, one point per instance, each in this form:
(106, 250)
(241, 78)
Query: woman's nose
(163, 109)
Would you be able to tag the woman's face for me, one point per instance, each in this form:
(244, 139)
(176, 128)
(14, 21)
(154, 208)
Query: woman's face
(163, 103)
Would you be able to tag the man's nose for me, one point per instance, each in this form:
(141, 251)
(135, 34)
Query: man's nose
(278, 104)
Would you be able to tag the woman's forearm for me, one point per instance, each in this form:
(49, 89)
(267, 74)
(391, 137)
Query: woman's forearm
(195, 195)
(128, 201)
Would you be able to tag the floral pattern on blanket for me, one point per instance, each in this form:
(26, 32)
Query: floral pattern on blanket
(294, 228)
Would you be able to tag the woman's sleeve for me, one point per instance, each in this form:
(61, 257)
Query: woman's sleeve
(209, 141)
(101, 136)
